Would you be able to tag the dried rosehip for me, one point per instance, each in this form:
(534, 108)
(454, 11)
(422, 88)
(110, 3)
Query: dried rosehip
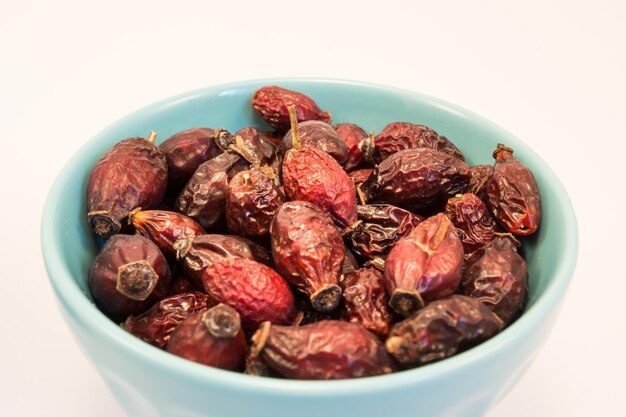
(213, 337)
(308, 252)
(168, 229)
(271, 103)
(327, 349)
(251, 203)
(132, 174)
(204, 197)
(426, 264)
(319, 135)
(365, 301)
(379, 228)
(478, 182)
(355, 138)
(417, 179)
(156, 325)
(349, 263)
(129, 275)
(497, 276)
(257, 291)
(204, 250)
(185, 151)
(441, 329)
(312, 175)
(472, 220)
(399, 136)
(513, 195)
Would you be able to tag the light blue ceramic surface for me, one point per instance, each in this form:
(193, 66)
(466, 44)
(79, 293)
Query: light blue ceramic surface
(148, 382)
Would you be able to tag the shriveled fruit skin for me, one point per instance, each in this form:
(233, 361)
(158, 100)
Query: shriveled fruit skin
(497, 276)
(156, 325)
(271, 103)
(133, 173)
(319, 135)
(307, 248)
(324, 350)
(417, 179)
(310, 174)
(165, 228)
(204, 197)
(442, 329)
(251, 204)
(359, 176)
(429, 261)
(355, 137)
(255, 290)
(472, 220)
(381, 226)
(478, 181)
(513, 195)
(193, 340)
(185, 151)
(204, 250)
(365, 301)
(398, 136)
(137, 263)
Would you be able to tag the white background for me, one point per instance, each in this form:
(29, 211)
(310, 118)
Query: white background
(551, 72)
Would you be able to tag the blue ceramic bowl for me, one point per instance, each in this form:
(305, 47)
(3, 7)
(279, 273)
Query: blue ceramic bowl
(149, 382)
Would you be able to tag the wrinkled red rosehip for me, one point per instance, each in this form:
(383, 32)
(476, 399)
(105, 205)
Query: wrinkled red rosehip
(132, 174)
(169, 230)
(398, 136)
(256, 291)
(472, 220)
(497, 276)
(424, 265)
(308, 252)
(156, 325)
(128, 276)
(365, 301)
(327, 349)
(213, 337)
(204, 250)
(355, 138)
(251, 203)
(271, 103)
(184, 152)
(513, 195)
(441, 329)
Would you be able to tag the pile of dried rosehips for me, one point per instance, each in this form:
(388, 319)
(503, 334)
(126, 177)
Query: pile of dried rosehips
(313, 251)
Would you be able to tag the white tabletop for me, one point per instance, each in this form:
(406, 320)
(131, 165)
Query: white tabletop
(550, 72)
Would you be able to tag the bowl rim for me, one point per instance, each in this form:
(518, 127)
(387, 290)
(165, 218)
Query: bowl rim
(81, 309)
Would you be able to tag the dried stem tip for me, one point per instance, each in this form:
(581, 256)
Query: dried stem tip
(502, 148)
(102, 223)
(406, 302)
(222, 321)
(152, 136)
(136, 280)
(326, 299)
(295, 134)
(260, 338)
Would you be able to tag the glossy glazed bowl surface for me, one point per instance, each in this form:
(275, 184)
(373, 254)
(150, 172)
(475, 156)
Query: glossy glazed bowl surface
(148, 382)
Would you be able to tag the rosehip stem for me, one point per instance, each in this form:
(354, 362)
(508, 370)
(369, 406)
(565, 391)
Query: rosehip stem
(295, 134)
(152, 136)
